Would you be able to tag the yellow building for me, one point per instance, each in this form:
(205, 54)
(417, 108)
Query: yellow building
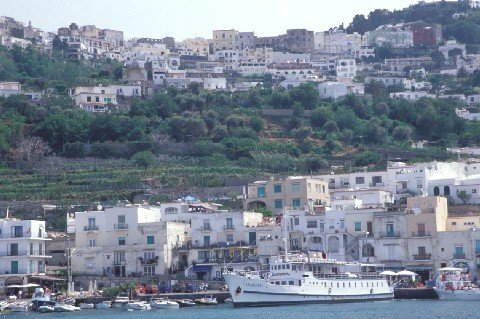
(292, 192)
(224, 40)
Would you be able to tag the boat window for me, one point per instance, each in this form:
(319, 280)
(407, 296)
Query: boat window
(343, 285)
(367, 284)
(277, 282)
(291, 283)
(355, 285)
(284, 283)
(288, 266)
(283, 266)
(361, 284)
(377, 284)
(349, 285)
(338, 285)
(273, 282)
(331, 284)
(294, 267)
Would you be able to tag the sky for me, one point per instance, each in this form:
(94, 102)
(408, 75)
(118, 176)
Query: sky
(193, 18)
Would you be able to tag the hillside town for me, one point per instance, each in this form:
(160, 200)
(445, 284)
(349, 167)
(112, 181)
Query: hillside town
(417, 213)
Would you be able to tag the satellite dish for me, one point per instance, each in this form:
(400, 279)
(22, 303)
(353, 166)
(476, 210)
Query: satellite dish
(72, 215)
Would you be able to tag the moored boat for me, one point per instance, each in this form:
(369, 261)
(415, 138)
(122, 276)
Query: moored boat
(299, 278)
(103, 305)
(138, 305)
(121, 301)
(452, 284)
(186, 303)
(207, 301)
(63, 307)
(19, 306)
(165, 304)
(4, 305)
(86, 305)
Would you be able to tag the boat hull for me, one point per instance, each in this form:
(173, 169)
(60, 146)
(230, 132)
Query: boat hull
(251, 292)
(463, 295)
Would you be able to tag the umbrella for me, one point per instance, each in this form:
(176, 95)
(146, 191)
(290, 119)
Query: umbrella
(388, 273)
(14, 286)
(31, 285)
(406, 273)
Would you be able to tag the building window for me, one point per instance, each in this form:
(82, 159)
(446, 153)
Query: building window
(229, 238)
(358, 226)
(17, 231)
(89, 263)
(150, 240)
(277, 188)
(149, 271)
(474, 191)
(360, 180)
(204, 255)
(312, 224)
(296, 221)
(322, 226)
(390, 230)
(278, 203)
(342, 223)
(261, 191)
(121, 241)
(171, 210)
(97, 99)
(296, 188)
(206, 241)
(92, 243)
(296, 202)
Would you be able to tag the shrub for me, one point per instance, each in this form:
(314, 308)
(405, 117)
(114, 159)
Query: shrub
(143, 159)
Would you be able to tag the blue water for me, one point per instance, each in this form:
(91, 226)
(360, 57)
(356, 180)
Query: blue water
(397, 309)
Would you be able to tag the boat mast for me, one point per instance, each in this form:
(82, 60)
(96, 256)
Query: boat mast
(285, 240)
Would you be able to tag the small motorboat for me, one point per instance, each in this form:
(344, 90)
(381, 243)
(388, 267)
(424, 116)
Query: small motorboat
(138, 305)
(121, 301)
(186, 303)
(46, 308)
(86, 305)
(166, 304)
(207, 301)
(19, 306)
(228, 300)
(63, 307)
(103, 305)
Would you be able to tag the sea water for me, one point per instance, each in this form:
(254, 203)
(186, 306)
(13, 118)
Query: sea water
(395, 309)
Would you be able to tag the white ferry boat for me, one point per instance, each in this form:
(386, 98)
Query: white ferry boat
(298, 279)
(452, 284)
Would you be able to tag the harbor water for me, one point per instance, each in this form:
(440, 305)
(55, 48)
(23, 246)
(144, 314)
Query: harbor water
(395, 309)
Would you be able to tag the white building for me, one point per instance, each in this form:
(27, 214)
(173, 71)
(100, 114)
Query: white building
(247, 68)
(22, 250)
(335, 90)
(338, 42)
(412, 96)
(397, 36)
(10, 88)
(452, 45)
(346, 69)
(124, 241)
(467, 115)
(94, 99)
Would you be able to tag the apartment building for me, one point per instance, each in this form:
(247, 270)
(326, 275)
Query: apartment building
(22, 250)
(95, 99)
(125, 241)
(224, 40)
(275, 195)
(10, 88)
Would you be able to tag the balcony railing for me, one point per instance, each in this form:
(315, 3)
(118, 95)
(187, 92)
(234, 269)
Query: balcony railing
(459, 256)
(422, 257)
(119, 263)
(120, 226)
(394, 234)
(24, 253)
(206, 228)
(149, 261)
(421, 234)
(90, 228)
(229, 227)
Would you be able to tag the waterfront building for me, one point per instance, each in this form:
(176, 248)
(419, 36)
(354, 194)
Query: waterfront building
(22, 250)
(125, 241)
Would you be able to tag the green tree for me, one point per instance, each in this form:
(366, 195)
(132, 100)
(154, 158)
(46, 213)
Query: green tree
(143, 159)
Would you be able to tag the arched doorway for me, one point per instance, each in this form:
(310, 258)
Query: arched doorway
(368, 250)
(436, 191)
(446, 191)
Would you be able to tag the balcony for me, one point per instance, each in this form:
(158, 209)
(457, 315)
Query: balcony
(119, 263)
(228, 227)
(421, 234)
(120, 226)
(395, 234)
(206, 228)
(90, 228)
(459, 256)
(149, 261)
(422, 257)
